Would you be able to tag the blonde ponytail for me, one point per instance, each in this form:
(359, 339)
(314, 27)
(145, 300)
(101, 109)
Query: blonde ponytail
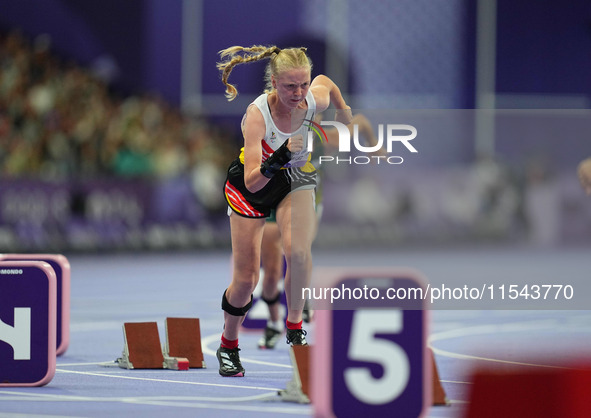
(280, 60)
(240, 55)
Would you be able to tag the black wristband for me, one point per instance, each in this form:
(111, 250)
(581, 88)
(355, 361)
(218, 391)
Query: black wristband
(278, 159)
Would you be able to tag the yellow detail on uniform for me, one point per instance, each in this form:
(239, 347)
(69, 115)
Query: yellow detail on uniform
(233, 207)
(307, 168)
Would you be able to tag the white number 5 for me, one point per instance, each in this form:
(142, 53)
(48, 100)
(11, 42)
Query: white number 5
(363, 346)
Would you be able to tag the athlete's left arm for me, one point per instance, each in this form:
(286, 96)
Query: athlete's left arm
(325, 92)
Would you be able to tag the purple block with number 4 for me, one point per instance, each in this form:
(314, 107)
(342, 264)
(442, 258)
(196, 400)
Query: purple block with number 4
(61, 266)
(27, 323)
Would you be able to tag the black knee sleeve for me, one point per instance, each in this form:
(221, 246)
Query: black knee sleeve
(271, 301)
(232, 310)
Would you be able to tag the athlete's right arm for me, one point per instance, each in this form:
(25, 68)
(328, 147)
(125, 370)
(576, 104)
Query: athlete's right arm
(253, 130)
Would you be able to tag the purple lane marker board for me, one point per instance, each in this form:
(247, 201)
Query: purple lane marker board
(369, 355)
(28, 310)
(61, 266)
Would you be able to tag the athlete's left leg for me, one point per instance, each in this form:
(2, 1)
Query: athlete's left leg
(297, 221)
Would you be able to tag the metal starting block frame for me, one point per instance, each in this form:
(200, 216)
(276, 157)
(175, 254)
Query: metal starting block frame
(176, 363)
(142, 349)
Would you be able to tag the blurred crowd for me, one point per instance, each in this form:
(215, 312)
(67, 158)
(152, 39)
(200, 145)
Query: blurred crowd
(59, 120)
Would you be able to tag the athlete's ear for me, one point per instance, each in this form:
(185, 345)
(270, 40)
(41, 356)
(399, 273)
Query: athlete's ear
(273, 82)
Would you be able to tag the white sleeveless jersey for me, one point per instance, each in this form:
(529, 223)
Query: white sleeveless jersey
(274, 138)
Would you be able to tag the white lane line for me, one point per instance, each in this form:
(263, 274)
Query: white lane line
(493, 329)
(147, 379)
(20, 396)
(302, 410)
(13, 415)
(96, 363)
(456, 381)
(171, 401)
(493, 360)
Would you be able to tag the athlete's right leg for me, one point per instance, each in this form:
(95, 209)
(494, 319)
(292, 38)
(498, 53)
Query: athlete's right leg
(246, 254)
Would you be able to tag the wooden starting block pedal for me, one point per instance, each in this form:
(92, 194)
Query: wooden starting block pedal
(141, 348)
(298, 388)
(183, 340)
(439, 396)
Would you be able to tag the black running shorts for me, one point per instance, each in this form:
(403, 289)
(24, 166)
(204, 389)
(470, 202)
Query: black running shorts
(260, 204)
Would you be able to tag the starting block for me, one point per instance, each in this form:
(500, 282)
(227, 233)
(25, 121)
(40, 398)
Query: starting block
(298, 388)
(183, 339)
(61, 267)
(28, 310)
(142, 349)
(439, 396)
(141, 346)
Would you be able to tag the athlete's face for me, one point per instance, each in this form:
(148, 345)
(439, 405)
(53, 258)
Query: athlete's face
(292, 86)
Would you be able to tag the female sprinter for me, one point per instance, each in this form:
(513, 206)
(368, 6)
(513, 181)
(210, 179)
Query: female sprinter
(273, 172)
